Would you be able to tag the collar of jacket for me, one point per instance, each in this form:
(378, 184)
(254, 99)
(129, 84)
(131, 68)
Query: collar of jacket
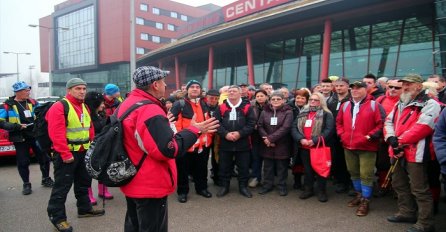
(144, 94)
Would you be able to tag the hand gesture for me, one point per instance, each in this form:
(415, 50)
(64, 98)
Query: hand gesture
(207, 126)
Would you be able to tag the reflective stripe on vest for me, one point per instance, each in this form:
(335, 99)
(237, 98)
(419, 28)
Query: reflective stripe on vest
(77, 134)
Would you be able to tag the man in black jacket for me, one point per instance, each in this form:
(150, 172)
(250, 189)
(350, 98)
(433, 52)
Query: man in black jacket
(237, 122)
(17, 116)
(339, 167)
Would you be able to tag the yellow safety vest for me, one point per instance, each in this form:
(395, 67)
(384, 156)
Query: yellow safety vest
(78, 133)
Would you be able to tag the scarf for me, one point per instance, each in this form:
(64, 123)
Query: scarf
(233, 107)
(318, 120)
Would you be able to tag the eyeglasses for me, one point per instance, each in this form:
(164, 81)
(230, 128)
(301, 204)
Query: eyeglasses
(312, 99)
(276, 99)
(394, 87)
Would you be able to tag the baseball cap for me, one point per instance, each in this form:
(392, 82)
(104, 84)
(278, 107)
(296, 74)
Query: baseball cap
(414, 78)
(359, 84)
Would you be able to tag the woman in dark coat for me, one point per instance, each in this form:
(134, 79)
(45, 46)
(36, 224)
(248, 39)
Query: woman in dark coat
(274, 126)
(301, 97)
(259, 102)
(313, 123)
(95, 102)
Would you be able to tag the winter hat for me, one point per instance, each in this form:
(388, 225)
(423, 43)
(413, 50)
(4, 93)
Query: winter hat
(146, 75)
(93, 100)
(75, 82)
(111, 89)
(191, 82)
(21, 85)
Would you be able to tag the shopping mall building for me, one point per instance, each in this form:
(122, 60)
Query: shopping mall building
(300, 42)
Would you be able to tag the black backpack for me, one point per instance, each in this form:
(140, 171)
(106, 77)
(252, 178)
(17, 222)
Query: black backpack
(107, 160)
(40, 129)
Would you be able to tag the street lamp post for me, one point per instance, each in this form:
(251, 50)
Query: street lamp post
(17, 55)
(50, 84)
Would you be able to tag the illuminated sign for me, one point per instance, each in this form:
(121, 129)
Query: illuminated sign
(242, 8)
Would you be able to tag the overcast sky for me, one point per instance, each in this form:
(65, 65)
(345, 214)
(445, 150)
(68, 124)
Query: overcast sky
(17, 36)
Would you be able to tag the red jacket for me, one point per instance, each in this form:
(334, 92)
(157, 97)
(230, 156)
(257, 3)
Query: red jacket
(388, 102)
(413, 125)
(369, 121)
(148, 130)
(57, 129)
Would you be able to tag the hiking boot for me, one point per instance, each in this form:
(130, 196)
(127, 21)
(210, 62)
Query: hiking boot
(419, 228)
(27, 188)
(47, 182)
(253, 183)
(397, 218)
(103, 192)
(363, 208)
(63, 226)
(91, 213)
(322, 196)
(307, 193)
(91, 197)
(355, 201)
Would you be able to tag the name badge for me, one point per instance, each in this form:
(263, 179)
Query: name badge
(308, 123)
(273, 121)
(233, 116)
(339, 105)
(27, 113)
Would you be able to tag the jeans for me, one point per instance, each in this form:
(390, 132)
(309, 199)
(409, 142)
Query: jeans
(23, 156)
(146, 215)
(64, 177)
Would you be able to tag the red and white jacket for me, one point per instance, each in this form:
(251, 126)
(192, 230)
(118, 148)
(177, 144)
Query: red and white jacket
(147, 130)
(369, 121)
(413, 125)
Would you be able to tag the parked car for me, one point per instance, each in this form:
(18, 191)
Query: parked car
(47, 99)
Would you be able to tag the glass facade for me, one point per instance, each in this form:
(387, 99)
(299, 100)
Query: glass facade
(118, 74)
(391, 48)
(76, 46)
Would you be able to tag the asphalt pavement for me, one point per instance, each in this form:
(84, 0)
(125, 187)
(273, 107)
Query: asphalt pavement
(271, 212)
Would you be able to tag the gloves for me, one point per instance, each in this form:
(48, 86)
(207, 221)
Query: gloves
(393, 141)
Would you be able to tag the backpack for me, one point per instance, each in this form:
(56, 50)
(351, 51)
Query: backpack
(107, 160)
(40, 129)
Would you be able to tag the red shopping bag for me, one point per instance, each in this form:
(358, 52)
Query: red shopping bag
(321, 158)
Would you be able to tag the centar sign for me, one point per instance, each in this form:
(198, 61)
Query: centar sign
(245, 7)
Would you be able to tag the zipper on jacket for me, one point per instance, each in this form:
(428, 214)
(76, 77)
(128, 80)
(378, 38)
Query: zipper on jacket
(407, 117)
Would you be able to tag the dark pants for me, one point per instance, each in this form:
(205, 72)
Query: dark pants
(310, 173)
(410, 182)
(227, 165)
(23, 156)
(64, 176)
(338, 165)
(146, 215)
(195, 164)
(214, 163)
(281, 167)
(256, 160)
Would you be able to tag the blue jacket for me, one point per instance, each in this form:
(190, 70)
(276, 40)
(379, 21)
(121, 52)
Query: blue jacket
(440, 141)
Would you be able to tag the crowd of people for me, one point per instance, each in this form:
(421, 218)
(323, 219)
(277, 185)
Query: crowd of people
(371, 126)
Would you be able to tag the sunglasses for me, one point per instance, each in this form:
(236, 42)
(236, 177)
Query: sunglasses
(394, 87)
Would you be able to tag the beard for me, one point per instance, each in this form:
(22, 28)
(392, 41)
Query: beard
(406, 98)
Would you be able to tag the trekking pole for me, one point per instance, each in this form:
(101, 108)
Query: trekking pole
(389, 173)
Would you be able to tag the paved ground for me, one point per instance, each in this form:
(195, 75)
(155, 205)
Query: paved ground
(20, 213)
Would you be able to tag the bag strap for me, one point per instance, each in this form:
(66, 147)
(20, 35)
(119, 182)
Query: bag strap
(319, 139)
(132, 108)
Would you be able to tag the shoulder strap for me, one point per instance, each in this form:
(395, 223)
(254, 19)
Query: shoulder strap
(182, 103)
(373, 105)
(66, 108)
(132, 108)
